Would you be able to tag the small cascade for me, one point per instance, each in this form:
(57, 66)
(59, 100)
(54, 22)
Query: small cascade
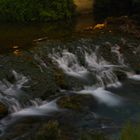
(101, 69)
(68, 62)
(102, 95)
(40, 63)
(133, 76)
(10, 92)
(98, 67)
(95, 65)
(116, 49)
(40, 108)
(45, 108)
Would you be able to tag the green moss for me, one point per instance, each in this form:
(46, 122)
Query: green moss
(130, 132)
(93, 136)
(50, 131)
(35, 10)
(77, 102)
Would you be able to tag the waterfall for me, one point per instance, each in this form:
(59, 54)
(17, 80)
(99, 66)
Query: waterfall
(97, 66)
(101, 69)
(68, 62)
(10, 92)
(133, 76)
(12, 95)
(44, 109)
(102, 96)
(116, 49)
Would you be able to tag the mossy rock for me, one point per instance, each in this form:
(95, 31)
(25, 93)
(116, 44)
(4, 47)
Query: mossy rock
(77, 102)
(3, 110)
(93, 136)
(50, 131)
(59, 77)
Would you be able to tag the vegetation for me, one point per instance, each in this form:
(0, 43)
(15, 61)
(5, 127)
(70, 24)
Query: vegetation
(130, 132)
(35, 10)
(93, 136)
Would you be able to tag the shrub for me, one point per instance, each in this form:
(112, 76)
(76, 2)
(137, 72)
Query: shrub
(35, 10)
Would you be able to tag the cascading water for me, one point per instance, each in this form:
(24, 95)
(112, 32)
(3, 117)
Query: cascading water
(10, 92)
(101, 69)
(68, 62)
(12, 95)
(133, 76)
(95, 65)
(79, 64)
(103, 96)
(116, 49)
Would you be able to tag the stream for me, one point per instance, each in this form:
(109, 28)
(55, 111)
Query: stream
(42, 65)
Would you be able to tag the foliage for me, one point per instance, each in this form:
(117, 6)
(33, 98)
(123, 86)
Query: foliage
(130, 132)
(35, 10)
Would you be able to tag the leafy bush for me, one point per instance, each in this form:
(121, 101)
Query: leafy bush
(35, 10)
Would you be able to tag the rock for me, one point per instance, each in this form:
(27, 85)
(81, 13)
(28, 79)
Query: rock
(77, 102)
(121, 75)
(3, 110)
(124, 24)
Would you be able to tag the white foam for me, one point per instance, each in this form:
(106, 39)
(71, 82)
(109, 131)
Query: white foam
(102, 69)
(69, 64)
(116, 85)
(103, 96)
(10, 92)
(116, 49)
(133, 76)
(44, 109)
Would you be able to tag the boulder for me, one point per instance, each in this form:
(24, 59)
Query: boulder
(77, 102)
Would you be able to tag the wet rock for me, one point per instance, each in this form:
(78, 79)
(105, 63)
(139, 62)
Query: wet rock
(121, 75)
(3, 110)
(92, 136)
(50, 131)
(124, 24)
(77, 102)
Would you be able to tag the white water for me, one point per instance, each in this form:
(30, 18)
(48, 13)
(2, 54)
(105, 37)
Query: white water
(40, 63)
(102, 69)
(133, 76)
(44, 109)
(116, 49)
(10, 92)
(68, 62)
(97, 66)
(102, 95)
